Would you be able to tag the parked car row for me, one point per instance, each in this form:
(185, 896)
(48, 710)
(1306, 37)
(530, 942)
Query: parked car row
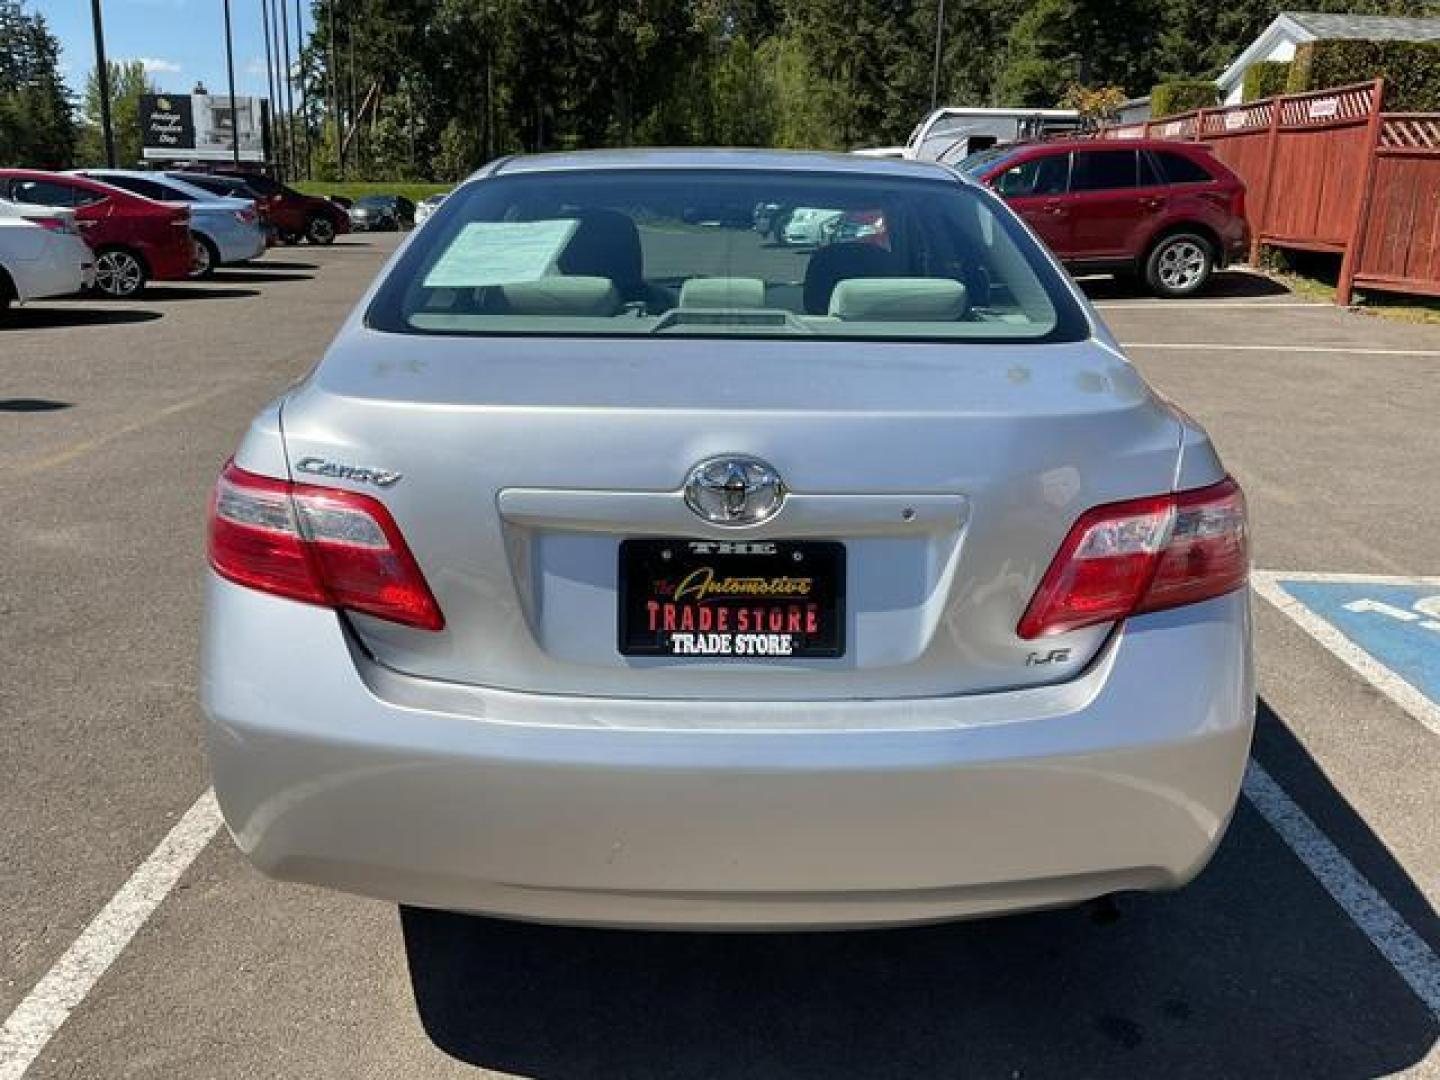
(115, 230)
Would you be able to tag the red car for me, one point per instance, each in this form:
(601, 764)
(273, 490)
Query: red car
(294, 216)
(134, 239)
(1169, 212)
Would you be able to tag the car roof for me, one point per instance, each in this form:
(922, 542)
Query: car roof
(1109, 144)
(165, 180)
(183, 174)
(85, 182)
(718, 159)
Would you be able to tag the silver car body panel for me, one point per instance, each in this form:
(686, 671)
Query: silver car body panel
(516, 763)
(333, 770)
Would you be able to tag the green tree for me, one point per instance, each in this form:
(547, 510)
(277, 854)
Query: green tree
(37, 123)
(128, 82)
(802, 105)
(1057, 42)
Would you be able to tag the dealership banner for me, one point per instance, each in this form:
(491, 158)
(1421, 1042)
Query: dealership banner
(202, 126)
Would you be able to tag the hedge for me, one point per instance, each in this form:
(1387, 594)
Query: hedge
(1411, 70)
(1182, 95)
(1265, 79)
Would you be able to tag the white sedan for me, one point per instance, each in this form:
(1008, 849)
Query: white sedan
(41, 253)
(809, 225)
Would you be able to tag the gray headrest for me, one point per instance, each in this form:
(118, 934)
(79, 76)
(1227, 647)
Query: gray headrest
(561, 295)
(723, 292)
(898, 300)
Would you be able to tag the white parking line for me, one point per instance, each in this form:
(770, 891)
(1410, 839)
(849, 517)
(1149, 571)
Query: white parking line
(1206, 305)
(1413, 960)
(1357, 659)
(1221, 346)
(47, 1006)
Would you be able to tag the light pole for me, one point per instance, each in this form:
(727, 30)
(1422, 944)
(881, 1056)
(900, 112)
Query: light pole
(230, 72)
(289, 91)
(935, 69)
(102, 79)
(282, 143)
(304, 87)
(273, 144)
(331, 70)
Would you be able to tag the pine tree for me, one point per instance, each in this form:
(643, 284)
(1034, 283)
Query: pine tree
(37, 123)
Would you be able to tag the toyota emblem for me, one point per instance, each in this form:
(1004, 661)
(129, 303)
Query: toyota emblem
(734, 490)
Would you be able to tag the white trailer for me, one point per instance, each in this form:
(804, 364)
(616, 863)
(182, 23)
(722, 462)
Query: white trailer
(952, 133)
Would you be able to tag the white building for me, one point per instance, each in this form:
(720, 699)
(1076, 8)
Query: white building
(1292, 28)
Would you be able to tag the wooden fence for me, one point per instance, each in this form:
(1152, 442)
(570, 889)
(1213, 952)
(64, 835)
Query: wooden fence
(1329, 171)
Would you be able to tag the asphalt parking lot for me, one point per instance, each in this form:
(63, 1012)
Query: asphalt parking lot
(1308, 948)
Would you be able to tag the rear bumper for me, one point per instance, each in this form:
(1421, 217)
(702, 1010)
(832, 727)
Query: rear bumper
(334, 771)
(55, 275)
(240, 244)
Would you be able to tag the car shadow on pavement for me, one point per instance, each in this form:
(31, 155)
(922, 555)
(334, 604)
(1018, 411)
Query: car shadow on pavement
(33, 405)
(277, 264)
(1253, 970)
(1224, 285)
(243, 275)
(55, 318)
(195, 292)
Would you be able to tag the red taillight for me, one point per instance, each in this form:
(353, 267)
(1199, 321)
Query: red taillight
(1143, 555)
(245, 217)
(318, 545)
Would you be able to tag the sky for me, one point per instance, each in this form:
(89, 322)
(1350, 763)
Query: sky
(179, 41)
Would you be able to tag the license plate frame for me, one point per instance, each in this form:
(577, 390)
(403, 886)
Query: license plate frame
(795, 589)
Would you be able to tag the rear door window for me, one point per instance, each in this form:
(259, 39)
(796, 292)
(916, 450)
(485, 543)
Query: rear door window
(42, 193)
(1046, 175)
(1104, 170)
(1179, 169)
(140, 186)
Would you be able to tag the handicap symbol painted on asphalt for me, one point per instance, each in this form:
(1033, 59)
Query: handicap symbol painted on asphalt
(1386, 628)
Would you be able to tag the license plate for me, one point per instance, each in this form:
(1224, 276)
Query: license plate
(773, 599)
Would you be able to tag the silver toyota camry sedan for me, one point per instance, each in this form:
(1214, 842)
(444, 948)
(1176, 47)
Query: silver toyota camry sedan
(618, 564)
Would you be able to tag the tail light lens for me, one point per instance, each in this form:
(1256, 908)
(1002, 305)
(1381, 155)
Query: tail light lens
(318, 545)
(245, 217)
(1143, 555)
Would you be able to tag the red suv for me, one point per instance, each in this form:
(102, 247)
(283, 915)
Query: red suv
(294, 216)
(135, 239)
(1165, 211)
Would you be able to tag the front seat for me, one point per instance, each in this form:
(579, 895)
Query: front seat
(606, 244)
(831, 265)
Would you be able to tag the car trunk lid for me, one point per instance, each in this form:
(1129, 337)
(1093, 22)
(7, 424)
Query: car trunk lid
(947, 474)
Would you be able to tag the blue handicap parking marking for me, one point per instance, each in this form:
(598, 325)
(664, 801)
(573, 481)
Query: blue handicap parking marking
(1395, 621)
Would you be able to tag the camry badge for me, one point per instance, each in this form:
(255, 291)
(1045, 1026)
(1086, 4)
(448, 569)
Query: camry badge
(734, 490)
(318, 466)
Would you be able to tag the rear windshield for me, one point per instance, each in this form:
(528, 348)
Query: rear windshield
(709, 253)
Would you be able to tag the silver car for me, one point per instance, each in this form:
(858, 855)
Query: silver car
(224, 231)
(610, 570)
